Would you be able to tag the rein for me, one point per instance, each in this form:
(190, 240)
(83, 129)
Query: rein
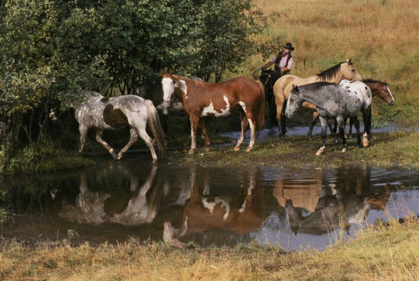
(266, 82)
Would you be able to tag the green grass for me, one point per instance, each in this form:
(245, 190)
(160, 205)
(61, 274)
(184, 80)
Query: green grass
(386, 150)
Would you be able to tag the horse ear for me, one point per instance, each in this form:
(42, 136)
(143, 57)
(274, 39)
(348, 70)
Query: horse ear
(350, 61)
(295, 88)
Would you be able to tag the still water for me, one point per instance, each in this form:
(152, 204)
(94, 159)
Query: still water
(293, 208)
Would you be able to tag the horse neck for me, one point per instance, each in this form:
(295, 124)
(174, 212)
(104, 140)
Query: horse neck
(311, 97)
(190, 89)
(373, 87)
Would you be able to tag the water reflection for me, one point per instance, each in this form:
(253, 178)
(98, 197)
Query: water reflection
(239, 212)
(324, 202)
(295, 208)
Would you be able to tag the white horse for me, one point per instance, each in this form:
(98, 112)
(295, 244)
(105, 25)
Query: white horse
(364, 95)
(102, 113)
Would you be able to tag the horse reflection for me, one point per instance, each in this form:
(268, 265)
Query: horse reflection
(331, 204)
(238, 214)
(120, 208)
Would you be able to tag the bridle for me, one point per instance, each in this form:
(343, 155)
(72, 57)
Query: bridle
(266, 82)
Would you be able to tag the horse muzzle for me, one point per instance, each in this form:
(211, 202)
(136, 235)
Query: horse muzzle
(391, 103)
(53, 116)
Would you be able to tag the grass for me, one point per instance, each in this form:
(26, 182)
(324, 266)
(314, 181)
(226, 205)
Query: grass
(380, 253)
(379, 36)
(386, 150)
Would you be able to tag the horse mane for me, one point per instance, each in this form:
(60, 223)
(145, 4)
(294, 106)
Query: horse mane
(369, 80)
(328, 74)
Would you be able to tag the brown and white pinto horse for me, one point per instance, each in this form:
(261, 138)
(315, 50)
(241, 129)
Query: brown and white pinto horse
(201, 99)
(282, 87)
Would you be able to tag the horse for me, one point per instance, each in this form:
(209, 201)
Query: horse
(268, 78)
(200, 99)
(377, 88)
(333, 102)
(102, 113)
(282, 87)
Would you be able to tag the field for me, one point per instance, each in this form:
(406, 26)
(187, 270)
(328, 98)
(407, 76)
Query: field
(380, 36)
(381, 252)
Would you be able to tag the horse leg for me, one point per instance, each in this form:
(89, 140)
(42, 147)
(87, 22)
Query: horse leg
(252, 124)
(272, 108)
(99, 139)
(284, 119)
(132, 140)
(313, 122)
(194, 129)
(333, 131)
(366, 113)
(279, 105)
(244, 124)
(83, 133)
(354, 120)
(351, 122)
(341, 123)
(204, 133)
(146, 138)
(323, 122)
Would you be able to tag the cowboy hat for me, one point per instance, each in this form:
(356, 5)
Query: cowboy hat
(289, 46)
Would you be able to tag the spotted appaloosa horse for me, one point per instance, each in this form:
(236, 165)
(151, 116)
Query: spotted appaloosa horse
(268, 78)
(282, 87)
(102, 113)
(201, 99)
(333, 101)
(377, 88)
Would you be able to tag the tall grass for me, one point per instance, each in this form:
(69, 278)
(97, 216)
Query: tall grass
(380, 36)
(387, 252)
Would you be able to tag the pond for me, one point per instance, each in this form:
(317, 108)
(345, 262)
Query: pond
(293, 208)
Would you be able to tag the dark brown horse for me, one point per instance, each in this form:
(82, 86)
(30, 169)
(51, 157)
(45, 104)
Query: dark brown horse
(201, 99)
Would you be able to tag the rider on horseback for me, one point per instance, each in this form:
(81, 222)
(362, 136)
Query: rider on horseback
(283, 60)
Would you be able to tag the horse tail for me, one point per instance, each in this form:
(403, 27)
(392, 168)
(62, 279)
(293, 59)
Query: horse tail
(156, 129)
(260, 108)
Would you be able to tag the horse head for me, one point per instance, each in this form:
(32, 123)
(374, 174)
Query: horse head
(385, 94)
(294, 102)
(265, 78)
(349, 72)
(169, 83)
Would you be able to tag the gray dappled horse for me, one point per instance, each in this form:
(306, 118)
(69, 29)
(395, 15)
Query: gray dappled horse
(333, 102)
(114, 113)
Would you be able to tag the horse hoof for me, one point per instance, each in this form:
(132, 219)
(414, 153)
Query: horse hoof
(320, 151)
(237, 148)
(248, 149)
(350, 136)
(119, 157)
(344, 149)
(365, 141)
(191, 152)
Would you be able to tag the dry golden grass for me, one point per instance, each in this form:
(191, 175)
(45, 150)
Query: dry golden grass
(380, 253)
(381, 37)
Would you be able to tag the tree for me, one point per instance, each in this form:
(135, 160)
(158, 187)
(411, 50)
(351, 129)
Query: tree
(227, 27)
